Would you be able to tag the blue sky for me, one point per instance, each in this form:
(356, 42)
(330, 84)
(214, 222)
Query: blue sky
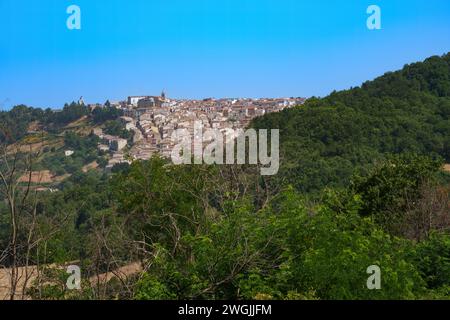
(207, 48)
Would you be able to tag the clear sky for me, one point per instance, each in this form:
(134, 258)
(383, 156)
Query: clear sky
(207, 48)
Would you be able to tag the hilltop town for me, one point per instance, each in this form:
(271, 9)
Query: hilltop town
(153, 119)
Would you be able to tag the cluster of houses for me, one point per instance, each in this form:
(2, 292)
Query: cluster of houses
(154, 118)
(113, 144)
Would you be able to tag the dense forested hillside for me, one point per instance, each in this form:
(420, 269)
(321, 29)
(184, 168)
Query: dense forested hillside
(361, 186)
(404, 111)
(15, 124)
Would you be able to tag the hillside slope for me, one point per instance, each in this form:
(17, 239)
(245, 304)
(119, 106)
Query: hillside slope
(405, 111)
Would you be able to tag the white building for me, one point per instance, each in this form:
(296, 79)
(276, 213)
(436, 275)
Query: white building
(134, 100)
(68, 153)
(118, 144)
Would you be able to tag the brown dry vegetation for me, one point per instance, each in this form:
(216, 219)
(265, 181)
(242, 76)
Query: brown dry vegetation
(44, 176)
(90, 166)
(24, 273)
(31, 274)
